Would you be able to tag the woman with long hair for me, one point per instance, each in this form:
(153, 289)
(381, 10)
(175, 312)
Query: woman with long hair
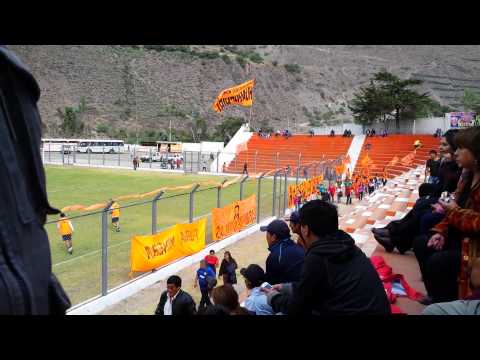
(225, 296)
(440, 257)
(228, 269)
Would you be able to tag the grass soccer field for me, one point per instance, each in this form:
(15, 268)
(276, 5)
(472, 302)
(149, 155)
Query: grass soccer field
(80, 273)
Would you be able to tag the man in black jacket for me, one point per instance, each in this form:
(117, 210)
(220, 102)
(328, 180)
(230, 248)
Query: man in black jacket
(27, 285)
(175, 301)
(285, 261)
(337, 277)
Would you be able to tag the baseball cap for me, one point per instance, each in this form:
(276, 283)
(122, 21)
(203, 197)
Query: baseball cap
(278, 228)
(294, 217)
(253, 273)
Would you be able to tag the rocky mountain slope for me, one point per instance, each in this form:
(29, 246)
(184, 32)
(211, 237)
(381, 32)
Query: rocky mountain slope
(134, 87)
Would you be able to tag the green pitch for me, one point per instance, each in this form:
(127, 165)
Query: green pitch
(80, 272)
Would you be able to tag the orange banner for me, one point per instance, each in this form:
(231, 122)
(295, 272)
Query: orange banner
(153, 251)
(305, 188)
(238, 95)
(233, 218)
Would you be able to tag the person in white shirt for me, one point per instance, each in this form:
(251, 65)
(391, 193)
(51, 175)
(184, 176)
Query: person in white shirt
(175, 301)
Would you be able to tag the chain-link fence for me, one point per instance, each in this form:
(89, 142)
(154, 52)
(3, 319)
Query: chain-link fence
(101, 259)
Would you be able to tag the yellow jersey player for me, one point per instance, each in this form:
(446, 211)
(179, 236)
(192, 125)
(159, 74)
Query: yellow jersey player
(65, 228)
(115, 211)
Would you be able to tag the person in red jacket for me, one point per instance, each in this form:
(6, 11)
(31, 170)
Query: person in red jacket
(332, 189)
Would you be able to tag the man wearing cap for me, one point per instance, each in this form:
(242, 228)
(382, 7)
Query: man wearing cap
(256, 302)
(337, 277)
(285, 261)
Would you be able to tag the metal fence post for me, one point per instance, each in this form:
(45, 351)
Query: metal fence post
(49, 153)
(274, 193)
(150, 156)
(154, 211)
(118, 149)
(199, 160)
(74, 154)
(103, 155)
(190, 213)
(88, 154)
(104, 278)
(280, 196)
(241, 186)
(219, 194)
(218, 160)
(285, 194)
(63, 155)
(256, 155)
(259, 194)
(276, 160)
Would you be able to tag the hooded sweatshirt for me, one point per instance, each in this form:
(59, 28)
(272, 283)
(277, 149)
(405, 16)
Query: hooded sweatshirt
(337, 279)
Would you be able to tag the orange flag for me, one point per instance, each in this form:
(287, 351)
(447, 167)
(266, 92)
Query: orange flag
(238, 95)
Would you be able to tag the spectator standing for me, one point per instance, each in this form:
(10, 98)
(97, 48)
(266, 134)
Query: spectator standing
(212, 261)
(206, 281)
(135, 163)
(175, 301)
(337, 277)
(339, 194)
(256, 301)
(332, 133)
(285, 261)
(371, 186)
(361, 190)
(348, 192)
(228, 269)
(332, 190)
(245, 169)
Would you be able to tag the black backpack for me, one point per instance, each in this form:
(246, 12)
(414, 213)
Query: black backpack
(27, 284)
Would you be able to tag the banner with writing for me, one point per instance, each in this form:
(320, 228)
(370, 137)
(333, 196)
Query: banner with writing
(305, 188)
(191, 237)
(153, 251)
(238, 95)
(233, 218)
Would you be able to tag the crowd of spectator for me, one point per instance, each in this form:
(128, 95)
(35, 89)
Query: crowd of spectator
(313, 267)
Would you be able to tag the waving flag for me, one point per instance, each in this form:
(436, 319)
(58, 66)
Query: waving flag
(238, 95)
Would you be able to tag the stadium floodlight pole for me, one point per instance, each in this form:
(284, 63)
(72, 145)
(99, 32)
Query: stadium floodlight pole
(259, 193)
(154, 211)
(190, 212)
(241, 186)
(219, 194)
(104, 275)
